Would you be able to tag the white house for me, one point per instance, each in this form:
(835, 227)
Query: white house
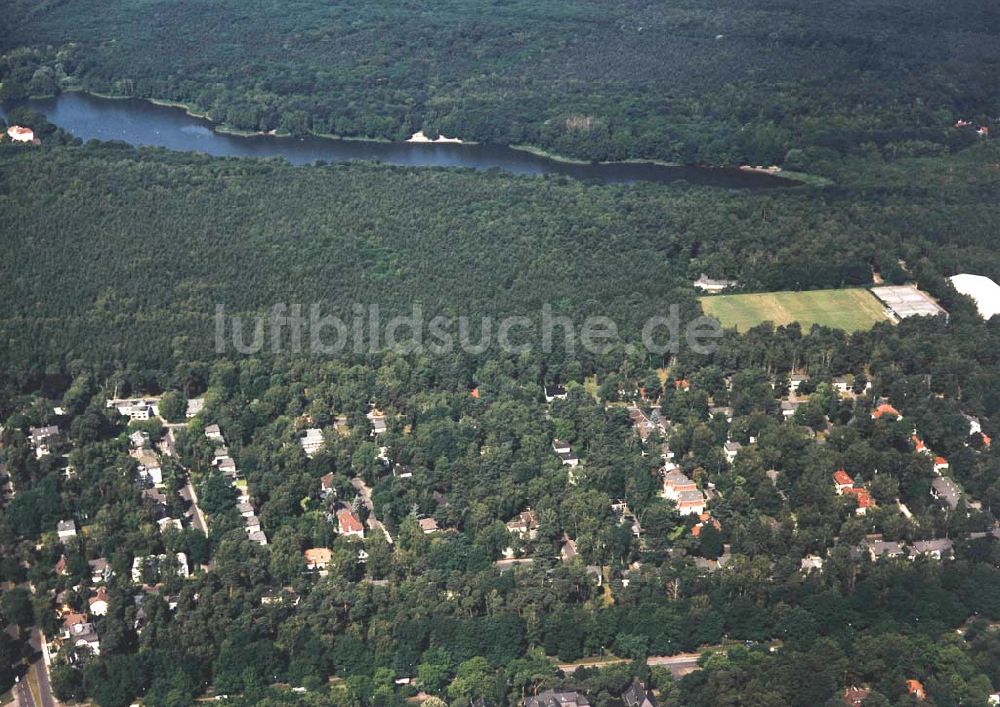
(19, 133)
(66, 529)
(312, 441)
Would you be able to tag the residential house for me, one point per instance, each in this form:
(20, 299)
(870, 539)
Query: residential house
(312, 441)
(214, 434)
(40, 437)
(940, 464)
(723, 410)
(349, 524)
(569, 459)
(642, 424)
(884, 548)
(524, 524)
(169, 524)
(855, 696)
(66, 529)
(916, 689)
(703, 520)
(689, 502)
(940, 549)
(258, 537)
(811, 562)
(318, 558)
(886, 410)
(150, 471)
(220, 454)
(795, 381)
(139, 439)
(842, 385)
(560, 447)
(552, 698)
(157, 565)
(100, 570)
(98, 603)
(567, 550)
(378, 423)
(711, 285)
(554, 392)
(676, 482)
(864, 499)
(19, 133)
(194, 407)
(918, 445)
(428, 525)
(638, 696)
(82, 634)
(842, 481)
(944, 489)
(790, 407)
(731, 450)
(135, 409)
(326, 488)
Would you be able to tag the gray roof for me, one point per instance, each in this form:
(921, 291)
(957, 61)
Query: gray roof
(551, 698)
(940, 546)
(947, 490)
(884, 548)
(637, 696)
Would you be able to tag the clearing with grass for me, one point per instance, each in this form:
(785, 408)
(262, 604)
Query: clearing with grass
(851, 310)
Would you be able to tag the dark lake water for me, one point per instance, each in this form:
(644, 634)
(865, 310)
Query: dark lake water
(140, 122)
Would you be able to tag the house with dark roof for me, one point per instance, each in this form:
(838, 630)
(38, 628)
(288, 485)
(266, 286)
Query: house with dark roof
(884, 548)
(939, 549)
(551, 698)
(944, 489)
(554, 392)
(638, 696)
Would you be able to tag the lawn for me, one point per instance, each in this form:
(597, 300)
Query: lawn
(850, 310)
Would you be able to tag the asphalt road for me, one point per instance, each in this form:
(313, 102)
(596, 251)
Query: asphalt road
(23, 695)
(680, 664)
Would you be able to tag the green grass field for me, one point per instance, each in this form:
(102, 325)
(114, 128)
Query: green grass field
(850, 310)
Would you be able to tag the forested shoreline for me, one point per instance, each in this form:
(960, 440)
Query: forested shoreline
(755, 85)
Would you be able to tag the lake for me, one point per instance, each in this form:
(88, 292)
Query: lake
(140, 122)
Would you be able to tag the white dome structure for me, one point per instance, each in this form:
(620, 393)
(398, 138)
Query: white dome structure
(982, 290)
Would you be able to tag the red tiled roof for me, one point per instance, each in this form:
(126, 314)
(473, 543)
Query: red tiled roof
(318, 556)
(885, 409)
(864, 498)
(349, 522)
(940, 461)
(842, 478)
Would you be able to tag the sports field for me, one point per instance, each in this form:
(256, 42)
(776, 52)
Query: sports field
(850, 310)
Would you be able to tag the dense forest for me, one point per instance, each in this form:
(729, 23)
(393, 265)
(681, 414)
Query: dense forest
(723, 81)
(119, 255)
